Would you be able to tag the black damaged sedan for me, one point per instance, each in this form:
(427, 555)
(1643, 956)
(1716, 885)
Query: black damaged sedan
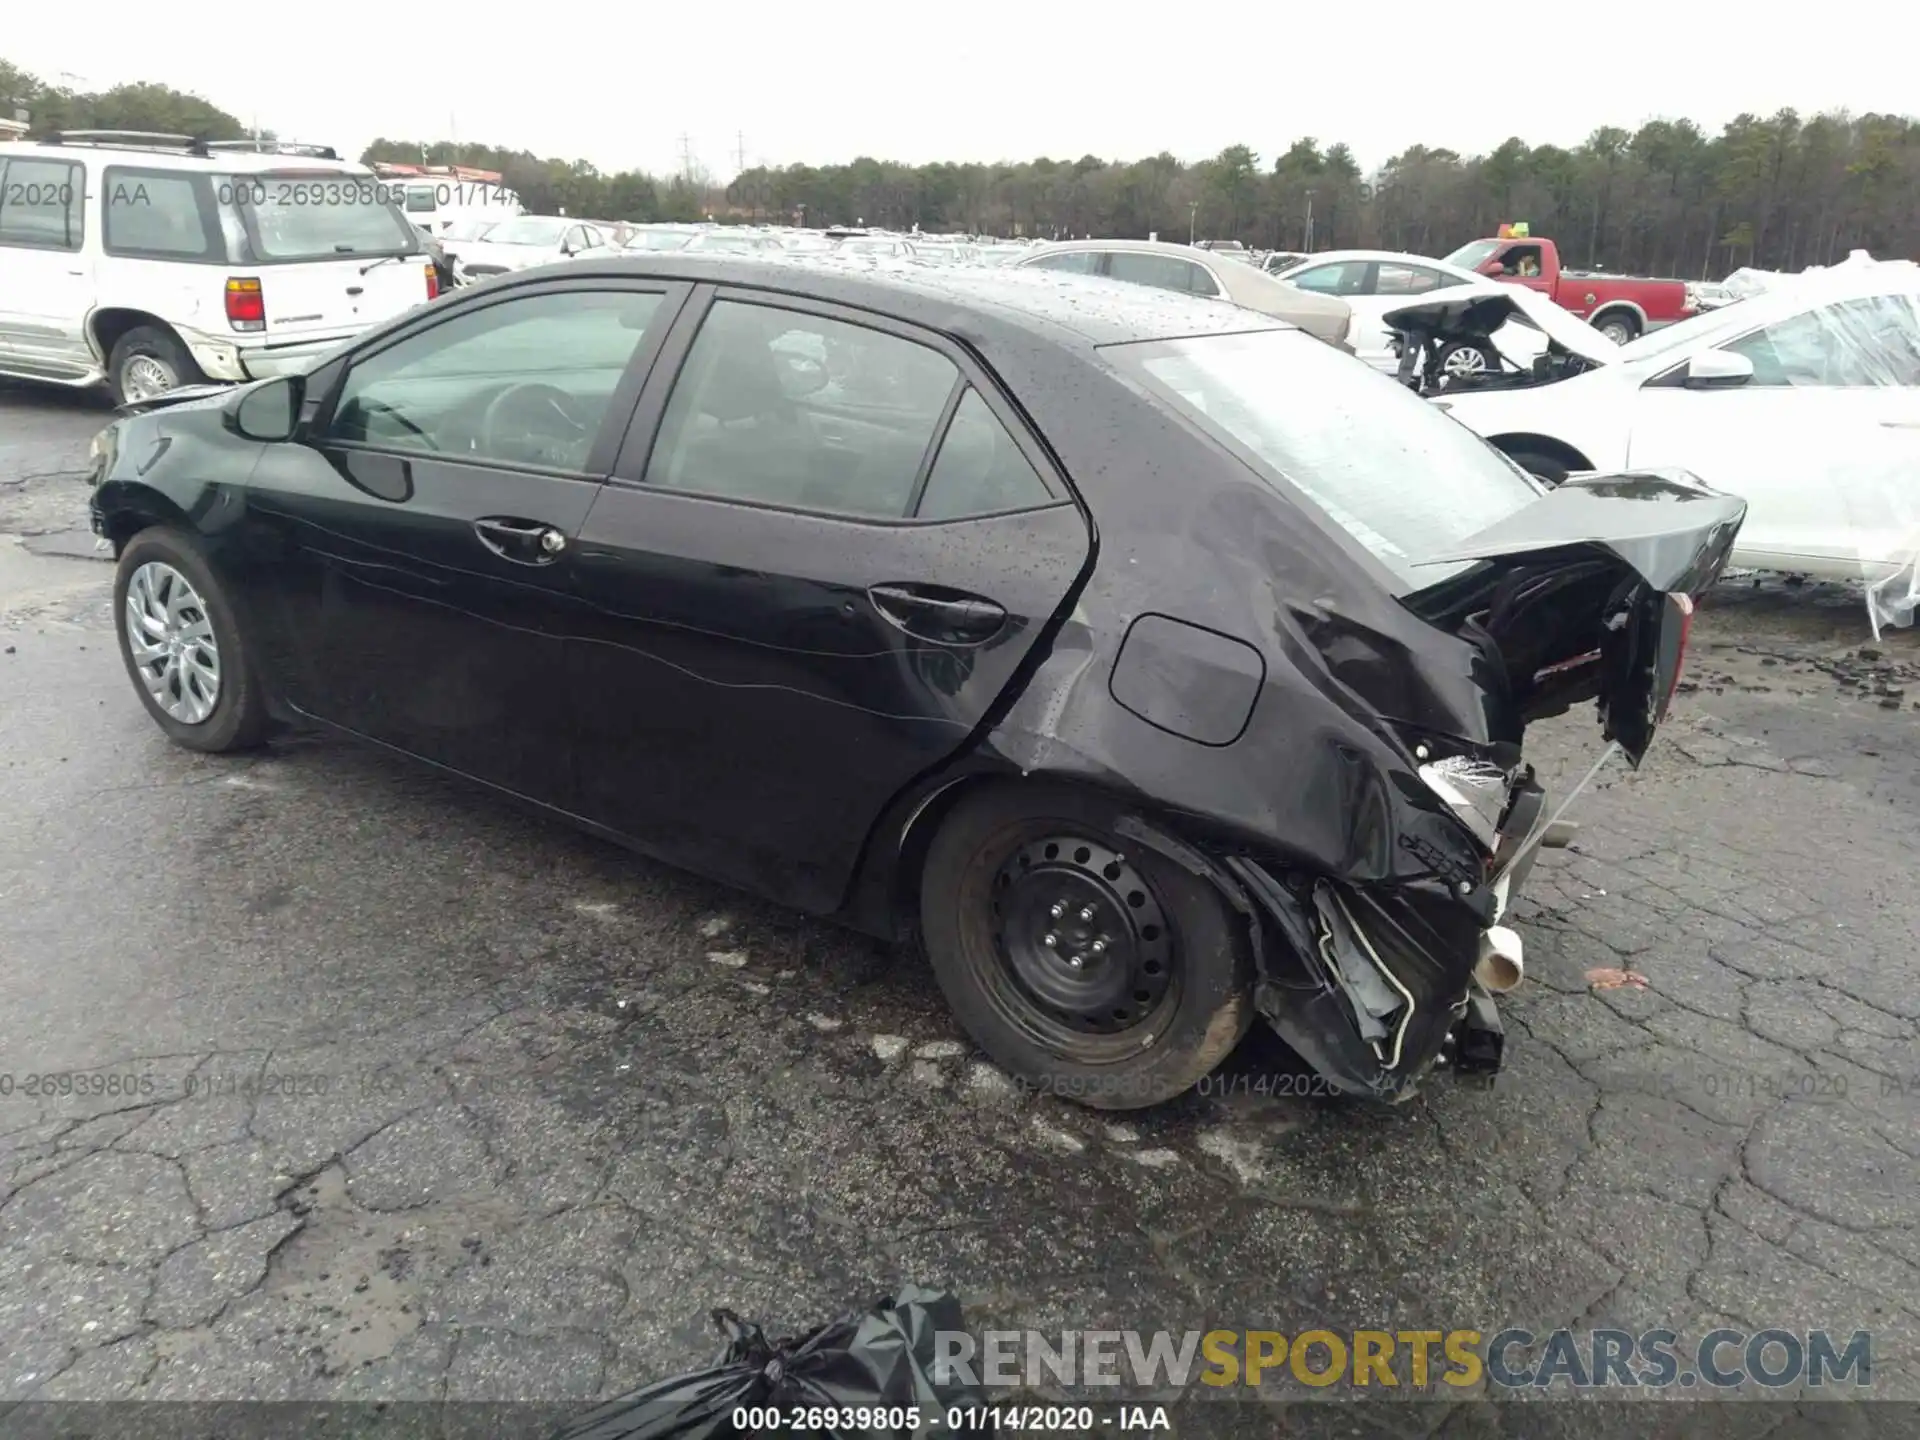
(1149, 663)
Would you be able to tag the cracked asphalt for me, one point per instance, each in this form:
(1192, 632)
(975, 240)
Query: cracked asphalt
(382, 1090)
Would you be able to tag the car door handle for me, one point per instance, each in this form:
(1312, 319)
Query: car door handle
(1901, 424)
(525, 542)
(946, 617)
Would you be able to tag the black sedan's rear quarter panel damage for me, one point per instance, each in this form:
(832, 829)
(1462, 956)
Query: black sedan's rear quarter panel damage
(1297, 780)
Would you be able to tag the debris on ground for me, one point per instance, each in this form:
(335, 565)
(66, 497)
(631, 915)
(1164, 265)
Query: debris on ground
(882, 1358)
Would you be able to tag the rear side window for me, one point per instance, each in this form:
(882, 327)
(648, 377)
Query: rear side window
(1348, 278)
(1162, 272)
(42, 204)
(782, 407)
(979, 469)
(1076, 262)
(157, 215)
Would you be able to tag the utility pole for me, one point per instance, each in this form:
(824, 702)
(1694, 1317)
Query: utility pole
(1193, 216)
(686, 157)
(740, 152)
(1307, 244)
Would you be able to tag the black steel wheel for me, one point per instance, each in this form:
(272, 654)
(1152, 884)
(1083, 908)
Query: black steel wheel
(1086, 966)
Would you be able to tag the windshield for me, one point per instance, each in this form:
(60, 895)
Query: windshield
(530, 230)
(858, 246)
(468, 229)
(308, 215)
(1389, 468)
(1470, 255)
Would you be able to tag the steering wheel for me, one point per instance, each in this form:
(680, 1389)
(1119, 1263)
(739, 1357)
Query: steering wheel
(387, 412)
(536, 423)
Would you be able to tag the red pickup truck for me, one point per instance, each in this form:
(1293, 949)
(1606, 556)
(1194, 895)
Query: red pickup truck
(1620, 307)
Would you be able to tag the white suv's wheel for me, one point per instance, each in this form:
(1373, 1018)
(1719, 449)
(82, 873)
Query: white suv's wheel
(149, 361)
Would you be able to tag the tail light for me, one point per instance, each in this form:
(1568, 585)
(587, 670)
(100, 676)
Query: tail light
(1680, 634)
(246, 306)
(433, 283)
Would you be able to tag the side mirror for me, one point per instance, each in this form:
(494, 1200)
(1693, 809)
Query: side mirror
(1718, 370)
(268, 411)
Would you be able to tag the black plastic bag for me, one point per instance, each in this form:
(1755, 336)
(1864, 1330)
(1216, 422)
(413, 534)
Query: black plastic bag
(866, 1376)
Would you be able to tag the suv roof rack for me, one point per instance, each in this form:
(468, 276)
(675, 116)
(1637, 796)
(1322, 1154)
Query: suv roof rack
(277, 147)
(129, 140)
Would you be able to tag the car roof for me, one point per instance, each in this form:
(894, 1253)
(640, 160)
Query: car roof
(162, 157)
(946, 298)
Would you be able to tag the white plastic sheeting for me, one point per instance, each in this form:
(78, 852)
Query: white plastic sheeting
(1867, 345)
(1744, 282)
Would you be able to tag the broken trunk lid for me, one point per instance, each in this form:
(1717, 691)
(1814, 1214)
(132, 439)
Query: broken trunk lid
(1482, 308)
(1587, 593)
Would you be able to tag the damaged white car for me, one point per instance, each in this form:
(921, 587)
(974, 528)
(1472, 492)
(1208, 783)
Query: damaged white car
(1804, 402)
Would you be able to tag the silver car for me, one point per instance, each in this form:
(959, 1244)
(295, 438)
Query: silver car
(1193, 271)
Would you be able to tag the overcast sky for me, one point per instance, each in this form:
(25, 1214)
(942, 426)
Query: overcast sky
(917, 80)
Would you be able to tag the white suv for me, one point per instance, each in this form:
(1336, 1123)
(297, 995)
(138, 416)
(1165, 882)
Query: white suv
(156, 261)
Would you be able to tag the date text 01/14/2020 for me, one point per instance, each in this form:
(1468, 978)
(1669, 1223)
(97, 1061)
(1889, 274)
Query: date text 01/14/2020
(959, 1419)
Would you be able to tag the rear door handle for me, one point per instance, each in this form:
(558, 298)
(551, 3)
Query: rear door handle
(526, 542)
(946, 617)
(1901, 424)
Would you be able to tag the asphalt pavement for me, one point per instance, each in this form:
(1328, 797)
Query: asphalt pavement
(383, 1090)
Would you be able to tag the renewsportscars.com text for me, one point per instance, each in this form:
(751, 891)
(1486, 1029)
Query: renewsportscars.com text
(1511, 1359)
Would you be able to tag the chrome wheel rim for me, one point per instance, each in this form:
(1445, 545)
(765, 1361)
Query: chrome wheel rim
(1615, 331)
(1465, 361)
(145, 376)
(170, 637)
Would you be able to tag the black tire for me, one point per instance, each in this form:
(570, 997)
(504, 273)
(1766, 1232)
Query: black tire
(238, 719)
(1540, 465)
(155, 344)
(1619, 326)
(1204, 1000)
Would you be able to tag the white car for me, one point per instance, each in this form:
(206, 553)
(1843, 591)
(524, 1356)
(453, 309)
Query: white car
(1804, 402)
(153, 262)
(526, 241)
(1372, 282)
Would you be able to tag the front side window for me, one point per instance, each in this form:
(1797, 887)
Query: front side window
(979, 470)
(526, 381)
(1871, 341)
(157, 215)
(42, 204)
(1344, 437)
(785, 408)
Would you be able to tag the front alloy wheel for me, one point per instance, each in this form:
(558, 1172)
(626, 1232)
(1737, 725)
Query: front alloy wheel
(184, 646)
(172, 643)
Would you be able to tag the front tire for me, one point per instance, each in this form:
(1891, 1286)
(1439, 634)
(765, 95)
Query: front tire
(183, 645)
(149, 360)
(1024, 880)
